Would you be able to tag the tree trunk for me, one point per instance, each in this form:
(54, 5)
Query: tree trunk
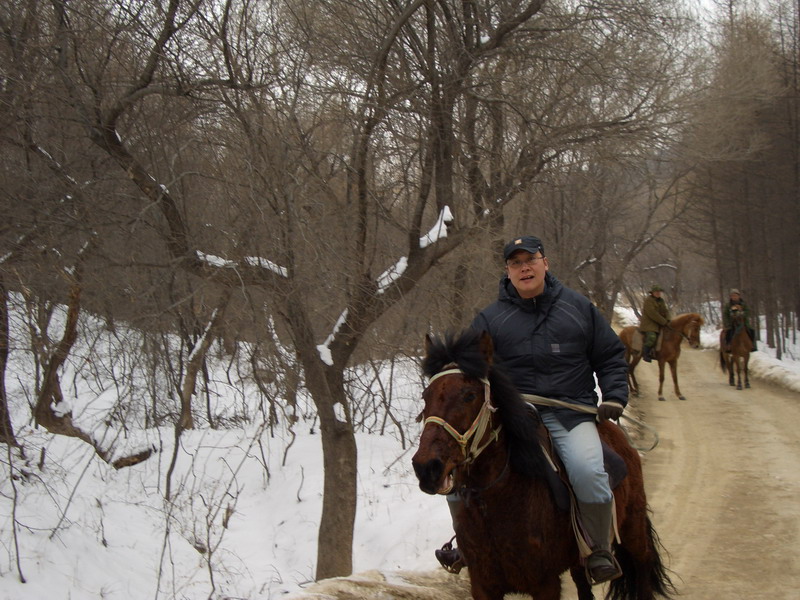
(337, 522)
(340, 461)
(325, 383)
(6, 429)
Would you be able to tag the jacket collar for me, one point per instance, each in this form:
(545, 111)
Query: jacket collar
(552, 288)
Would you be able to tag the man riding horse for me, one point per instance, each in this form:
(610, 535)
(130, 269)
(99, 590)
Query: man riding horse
(655, 315)
(552, 341)
(736, 303)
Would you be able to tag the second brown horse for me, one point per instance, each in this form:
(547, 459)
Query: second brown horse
(686, 326)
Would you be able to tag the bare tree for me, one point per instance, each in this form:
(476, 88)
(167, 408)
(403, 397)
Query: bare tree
(6, 427)
(322, 160)
(747, 174)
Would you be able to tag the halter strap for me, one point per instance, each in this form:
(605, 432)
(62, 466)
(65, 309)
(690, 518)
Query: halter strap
(479, 426)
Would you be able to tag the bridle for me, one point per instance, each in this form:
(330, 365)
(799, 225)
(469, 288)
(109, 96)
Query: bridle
(737, 318)
(683, 335)
(479, 426)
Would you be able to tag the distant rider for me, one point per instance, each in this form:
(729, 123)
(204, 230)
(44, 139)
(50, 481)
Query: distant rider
(655, 315)
(736, 303)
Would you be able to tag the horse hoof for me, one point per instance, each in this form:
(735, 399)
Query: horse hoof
(662, 398)
(681, 397)
(738, 387)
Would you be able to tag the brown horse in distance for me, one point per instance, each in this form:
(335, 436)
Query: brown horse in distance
(739, 351)
(481, 440)
(685, 326)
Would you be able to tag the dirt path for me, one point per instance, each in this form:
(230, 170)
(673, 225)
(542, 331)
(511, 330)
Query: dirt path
(723, 485)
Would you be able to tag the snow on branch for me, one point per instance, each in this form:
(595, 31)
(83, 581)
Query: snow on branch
(199, 344)
(660, 266)
(253, 261)
(257, 261)
(437, 232)
(392, 274)
(324, 348)
(585, 263)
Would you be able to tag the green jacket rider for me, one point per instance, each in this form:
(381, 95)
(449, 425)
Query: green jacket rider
(736, 302)
(655, 315)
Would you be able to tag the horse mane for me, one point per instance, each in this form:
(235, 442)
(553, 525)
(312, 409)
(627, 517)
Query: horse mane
(680, 320)
(520, 420)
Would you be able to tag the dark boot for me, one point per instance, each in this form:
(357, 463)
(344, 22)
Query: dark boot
(450, 557)
(646, 354)
(601, 566)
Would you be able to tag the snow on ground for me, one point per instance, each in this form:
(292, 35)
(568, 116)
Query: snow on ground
(245, 512)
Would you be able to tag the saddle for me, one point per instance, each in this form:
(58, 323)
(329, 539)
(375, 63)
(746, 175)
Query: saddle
(637, 341)
(562, 492)
(727, 337)
(557, 477)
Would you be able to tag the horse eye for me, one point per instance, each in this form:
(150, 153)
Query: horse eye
(469, 397)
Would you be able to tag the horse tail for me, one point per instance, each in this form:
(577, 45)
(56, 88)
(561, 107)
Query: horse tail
(722, 362)
(628, 587)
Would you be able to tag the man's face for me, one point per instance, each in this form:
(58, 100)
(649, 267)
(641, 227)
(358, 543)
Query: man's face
(735, 297)
(526, 272)
(657, 293)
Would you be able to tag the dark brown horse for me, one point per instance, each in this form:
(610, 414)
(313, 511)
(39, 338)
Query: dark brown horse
(481, 440)
(686, 326)
(738, 353)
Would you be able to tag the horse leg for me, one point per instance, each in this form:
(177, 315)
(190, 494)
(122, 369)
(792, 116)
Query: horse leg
(485, 591)
(661, 380)
(634, 385)
(729, 361)
(582, 584)
(738, 372)
(746, 371)
(549, 588)
(673, 369)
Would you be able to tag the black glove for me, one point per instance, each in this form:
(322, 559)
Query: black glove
(609, 410)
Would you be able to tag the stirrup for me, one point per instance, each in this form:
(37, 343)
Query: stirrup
(603, 572)
(450, 558)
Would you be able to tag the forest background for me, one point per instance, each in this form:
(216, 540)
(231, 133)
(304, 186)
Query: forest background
(307, 188)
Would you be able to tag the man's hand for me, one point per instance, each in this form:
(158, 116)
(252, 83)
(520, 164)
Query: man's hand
(609, 410)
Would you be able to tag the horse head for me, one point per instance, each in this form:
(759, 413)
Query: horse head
(471, 406)
(692, 329)
(457, 412)
(737, 316)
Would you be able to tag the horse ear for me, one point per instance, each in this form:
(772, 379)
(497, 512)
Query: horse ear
(487, 347)
(428, 344)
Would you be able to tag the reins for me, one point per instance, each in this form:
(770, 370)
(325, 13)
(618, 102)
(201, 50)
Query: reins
(479, 426)
(680, 333)
(552, 402)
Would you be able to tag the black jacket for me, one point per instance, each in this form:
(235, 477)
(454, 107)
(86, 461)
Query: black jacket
(554, 344)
